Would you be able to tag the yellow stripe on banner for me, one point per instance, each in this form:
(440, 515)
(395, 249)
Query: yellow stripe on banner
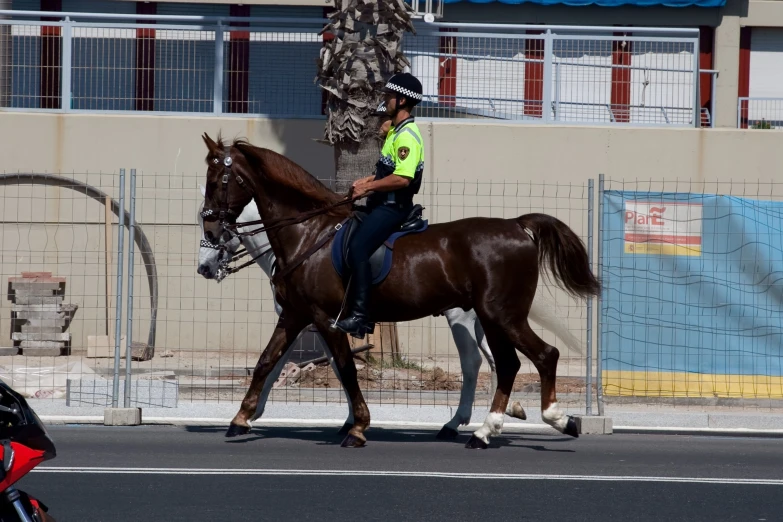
(680, 384)
(662, 249)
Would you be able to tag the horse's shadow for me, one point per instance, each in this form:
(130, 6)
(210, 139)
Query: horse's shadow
(330, 436)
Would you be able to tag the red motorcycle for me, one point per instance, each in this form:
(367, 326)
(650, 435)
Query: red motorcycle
(24, 444)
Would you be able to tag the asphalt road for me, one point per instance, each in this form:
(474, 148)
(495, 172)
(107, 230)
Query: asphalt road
(195, 474)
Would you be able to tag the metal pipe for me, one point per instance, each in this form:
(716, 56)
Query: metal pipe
(571, 28)
(129, 313)
(712, 98)
(118, 325)
(184, 18)
(66, 58)
(599, 366)
(589, 363)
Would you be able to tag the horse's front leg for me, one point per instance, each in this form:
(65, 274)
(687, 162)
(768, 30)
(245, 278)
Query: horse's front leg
(346, 369)
(288, 329)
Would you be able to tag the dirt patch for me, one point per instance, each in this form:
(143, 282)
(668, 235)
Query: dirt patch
(373, 377)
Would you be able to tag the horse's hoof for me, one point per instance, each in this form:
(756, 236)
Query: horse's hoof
(476, 443)
(236, 429)
(345, 429)
(447, 433)
(570, 428)
(352, 441)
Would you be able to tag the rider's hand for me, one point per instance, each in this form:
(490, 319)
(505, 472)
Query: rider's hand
(360, 189)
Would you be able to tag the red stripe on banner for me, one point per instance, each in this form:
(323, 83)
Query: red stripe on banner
(674, 240)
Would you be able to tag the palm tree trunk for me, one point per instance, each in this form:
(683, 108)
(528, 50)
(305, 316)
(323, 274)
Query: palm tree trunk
(363, 51)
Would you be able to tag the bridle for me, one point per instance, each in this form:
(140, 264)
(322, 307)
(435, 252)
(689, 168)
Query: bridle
(225, 211)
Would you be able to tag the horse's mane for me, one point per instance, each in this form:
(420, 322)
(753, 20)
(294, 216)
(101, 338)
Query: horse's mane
(286, 173)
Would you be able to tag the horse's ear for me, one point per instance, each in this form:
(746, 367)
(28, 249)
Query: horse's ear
(211, 145)
(203, 189)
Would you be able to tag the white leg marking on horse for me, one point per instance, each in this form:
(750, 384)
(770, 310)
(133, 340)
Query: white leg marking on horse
(555, 417)
(493, 424)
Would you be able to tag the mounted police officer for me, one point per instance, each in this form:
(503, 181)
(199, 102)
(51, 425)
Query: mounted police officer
(397, 178)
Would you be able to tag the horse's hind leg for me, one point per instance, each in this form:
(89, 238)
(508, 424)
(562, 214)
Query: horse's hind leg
(514, 409)
(545, 356)
(507, 365)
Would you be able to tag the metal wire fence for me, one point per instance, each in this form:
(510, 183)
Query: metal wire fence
(58, 261)
(194, 340)
(267, 66)
(690, 314)
(210, 334)
(688, 318)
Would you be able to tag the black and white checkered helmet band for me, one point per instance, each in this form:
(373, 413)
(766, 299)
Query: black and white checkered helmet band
(404, 91)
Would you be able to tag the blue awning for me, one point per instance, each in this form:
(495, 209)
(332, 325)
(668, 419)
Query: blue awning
(603, 3)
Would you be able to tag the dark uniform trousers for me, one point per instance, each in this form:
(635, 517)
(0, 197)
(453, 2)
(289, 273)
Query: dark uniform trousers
(381, 222)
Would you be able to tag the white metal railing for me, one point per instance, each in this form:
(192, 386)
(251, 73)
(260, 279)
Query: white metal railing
(760, 113)
(97, 62)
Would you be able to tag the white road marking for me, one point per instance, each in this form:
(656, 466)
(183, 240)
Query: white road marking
(407, 474)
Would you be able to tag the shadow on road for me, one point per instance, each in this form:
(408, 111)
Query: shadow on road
(330, 436)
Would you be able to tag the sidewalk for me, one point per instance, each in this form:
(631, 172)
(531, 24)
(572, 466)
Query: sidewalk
(624, 419)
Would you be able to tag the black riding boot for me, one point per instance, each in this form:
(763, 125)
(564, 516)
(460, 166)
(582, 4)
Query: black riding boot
(358, 324)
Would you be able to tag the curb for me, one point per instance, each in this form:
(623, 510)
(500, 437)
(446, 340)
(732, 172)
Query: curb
(532, 428)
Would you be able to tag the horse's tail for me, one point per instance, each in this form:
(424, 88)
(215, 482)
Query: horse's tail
(564, 252)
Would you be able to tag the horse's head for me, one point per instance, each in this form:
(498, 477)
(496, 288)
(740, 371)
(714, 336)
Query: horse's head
(213, 260)
(227, 191)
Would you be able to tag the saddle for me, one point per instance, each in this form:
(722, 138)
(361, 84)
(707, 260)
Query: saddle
(381, 259)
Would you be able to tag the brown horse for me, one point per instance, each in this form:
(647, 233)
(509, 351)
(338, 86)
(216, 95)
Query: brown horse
(489, 264)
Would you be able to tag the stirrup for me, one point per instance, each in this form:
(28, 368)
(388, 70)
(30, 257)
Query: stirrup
(362, 328)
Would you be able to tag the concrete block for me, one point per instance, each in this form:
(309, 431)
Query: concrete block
(35, 289)
(53, 314)
(52, 321)
(30, 328)
(147, 393)
(41, 348)
(62, 336)
(38, 308)
(593, 425)
(122, 416)
(9, 350)
(38, 300)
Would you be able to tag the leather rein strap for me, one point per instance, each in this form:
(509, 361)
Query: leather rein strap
(275, 224)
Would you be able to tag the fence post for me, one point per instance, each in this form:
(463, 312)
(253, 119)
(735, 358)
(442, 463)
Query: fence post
(589, 367)
(547, 94)
(118, 325)
(599, 363)
(696, 85)
(218, 85)
(129, 313)
(65, 65)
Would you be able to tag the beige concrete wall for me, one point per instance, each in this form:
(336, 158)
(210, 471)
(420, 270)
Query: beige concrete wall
(472, 168)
